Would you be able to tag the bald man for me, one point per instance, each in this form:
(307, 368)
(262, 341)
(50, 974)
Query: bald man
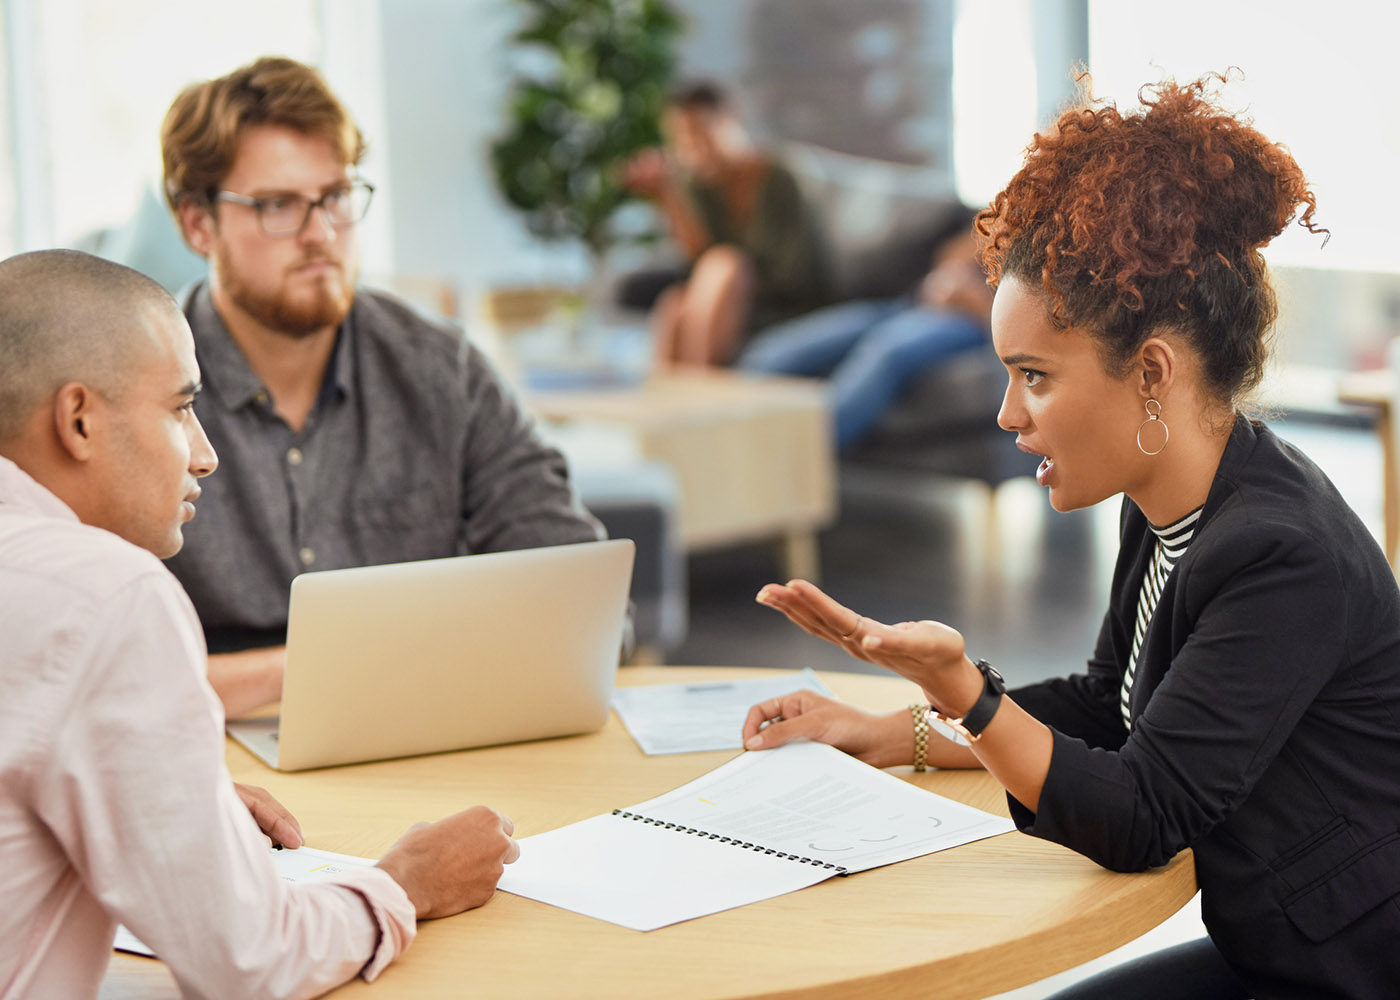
(115, 805)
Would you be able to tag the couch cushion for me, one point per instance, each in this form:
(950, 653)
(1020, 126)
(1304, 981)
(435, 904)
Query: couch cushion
(881, 220)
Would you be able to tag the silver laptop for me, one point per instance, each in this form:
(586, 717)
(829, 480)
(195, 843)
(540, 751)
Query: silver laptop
(420, 657)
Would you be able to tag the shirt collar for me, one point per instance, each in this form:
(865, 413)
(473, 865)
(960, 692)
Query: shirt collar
(226, 373)
(20, 489)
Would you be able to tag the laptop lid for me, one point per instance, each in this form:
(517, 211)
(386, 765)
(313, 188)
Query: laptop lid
(444, 654)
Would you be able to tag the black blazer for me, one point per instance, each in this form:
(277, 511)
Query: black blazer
(1265, 732)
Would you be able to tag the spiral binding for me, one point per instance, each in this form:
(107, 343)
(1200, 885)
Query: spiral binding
(839, 869)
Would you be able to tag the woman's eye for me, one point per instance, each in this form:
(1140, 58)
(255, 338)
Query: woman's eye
(1032, 377)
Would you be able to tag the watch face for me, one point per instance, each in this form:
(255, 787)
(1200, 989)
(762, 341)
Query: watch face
(949, 729)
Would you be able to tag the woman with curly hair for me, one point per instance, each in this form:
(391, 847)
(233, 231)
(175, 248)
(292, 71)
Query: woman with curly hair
(1243, 698)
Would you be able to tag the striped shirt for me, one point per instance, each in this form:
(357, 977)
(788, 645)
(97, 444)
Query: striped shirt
(1171, 543)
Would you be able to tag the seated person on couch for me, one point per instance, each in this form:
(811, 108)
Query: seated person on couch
(873, 349)
(756, 256)
(352, 431)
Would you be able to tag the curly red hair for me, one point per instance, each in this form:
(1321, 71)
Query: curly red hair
(1152, 221)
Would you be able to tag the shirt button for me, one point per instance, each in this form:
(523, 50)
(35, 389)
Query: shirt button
(294, 456)
(262, 398)
(308, 556)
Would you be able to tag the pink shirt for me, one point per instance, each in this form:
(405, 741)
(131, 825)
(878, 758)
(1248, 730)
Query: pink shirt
(115, 804)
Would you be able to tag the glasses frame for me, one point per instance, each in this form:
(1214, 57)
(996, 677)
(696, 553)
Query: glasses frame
(257, 205)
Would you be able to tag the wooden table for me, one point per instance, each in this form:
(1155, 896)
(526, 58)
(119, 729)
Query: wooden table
(975, 920)
(754, 456)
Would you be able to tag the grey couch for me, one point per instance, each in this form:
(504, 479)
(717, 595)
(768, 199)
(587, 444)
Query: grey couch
(882, 222)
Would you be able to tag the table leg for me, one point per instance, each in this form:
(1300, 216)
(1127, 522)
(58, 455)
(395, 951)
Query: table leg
(801, 556)
(1385, 430)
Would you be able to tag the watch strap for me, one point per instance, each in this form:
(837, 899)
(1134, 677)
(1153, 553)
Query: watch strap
(980, 715)
(968, 729)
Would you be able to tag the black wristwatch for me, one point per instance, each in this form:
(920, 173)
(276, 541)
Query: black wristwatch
(968, 730)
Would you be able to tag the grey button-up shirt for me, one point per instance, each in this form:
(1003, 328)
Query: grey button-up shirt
(415, 449)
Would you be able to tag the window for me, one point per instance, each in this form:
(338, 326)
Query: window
(87, 83)
(1316, 78)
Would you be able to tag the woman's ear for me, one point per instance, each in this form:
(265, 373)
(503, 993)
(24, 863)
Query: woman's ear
(1157, 367)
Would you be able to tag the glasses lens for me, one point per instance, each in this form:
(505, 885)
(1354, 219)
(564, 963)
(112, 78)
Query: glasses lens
(355, 202)
(283, 214)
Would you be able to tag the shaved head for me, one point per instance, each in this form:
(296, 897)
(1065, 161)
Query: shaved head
(67, 316)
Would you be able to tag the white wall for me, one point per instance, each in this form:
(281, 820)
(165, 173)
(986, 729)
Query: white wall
(445, 75)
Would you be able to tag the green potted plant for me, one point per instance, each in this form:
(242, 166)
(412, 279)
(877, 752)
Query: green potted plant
(594, 101)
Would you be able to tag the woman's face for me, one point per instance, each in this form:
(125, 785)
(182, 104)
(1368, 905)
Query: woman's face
(1063, 405)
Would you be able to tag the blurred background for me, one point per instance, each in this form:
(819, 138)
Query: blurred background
(953, 87)
(883, 108)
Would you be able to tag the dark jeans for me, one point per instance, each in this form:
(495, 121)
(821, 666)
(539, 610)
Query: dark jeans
(871, 350)
(1190, 971)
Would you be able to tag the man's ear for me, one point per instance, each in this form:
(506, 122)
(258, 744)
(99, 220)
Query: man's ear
(78, 419)
(197, 225)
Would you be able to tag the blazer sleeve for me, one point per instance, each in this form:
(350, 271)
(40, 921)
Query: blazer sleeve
(1260, 613)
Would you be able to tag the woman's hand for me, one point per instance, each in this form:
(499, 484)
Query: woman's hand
(881, 740)
(929, 653)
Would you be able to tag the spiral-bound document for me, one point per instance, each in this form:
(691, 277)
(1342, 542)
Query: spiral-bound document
(763, 824)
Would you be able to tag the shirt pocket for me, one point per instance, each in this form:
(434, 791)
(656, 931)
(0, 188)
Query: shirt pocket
(405, 525)
(1349, 889)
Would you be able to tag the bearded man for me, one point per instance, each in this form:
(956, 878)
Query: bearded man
(352, 430)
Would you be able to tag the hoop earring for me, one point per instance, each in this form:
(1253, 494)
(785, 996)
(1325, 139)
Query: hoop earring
(1154, 416)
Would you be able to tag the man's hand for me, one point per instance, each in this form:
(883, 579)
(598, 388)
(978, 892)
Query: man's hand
(454, 864)
(273, 819)
(247, 680)
(646, 173)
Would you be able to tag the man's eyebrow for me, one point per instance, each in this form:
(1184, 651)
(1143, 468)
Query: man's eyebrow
(265, 194)
(190, 389)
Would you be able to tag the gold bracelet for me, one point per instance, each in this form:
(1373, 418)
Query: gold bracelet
(920, 714)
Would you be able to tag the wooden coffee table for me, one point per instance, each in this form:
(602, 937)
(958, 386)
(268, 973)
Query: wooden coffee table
(754, 456)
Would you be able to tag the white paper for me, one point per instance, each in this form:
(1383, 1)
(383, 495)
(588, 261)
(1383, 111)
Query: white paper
(305, 864)
(790, 816)
(708, 715)
(812, 800)
(628, 873)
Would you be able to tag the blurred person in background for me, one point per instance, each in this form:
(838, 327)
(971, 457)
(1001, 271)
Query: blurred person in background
(872, 349)
(754, 250)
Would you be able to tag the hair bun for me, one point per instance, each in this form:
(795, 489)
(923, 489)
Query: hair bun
(1153, 219)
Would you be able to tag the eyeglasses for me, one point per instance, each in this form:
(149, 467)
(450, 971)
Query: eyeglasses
(288, 214)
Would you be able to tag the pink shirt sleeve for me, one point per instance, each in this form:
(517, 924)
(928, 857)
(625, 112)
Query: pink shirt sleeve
(135, 789)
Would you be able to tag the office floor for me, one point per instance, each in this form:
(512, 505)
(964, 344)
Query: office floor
(1026, 586)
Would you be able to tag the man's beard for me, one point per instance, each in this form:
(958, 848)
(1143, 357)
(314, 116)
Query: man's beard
(326, 306)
